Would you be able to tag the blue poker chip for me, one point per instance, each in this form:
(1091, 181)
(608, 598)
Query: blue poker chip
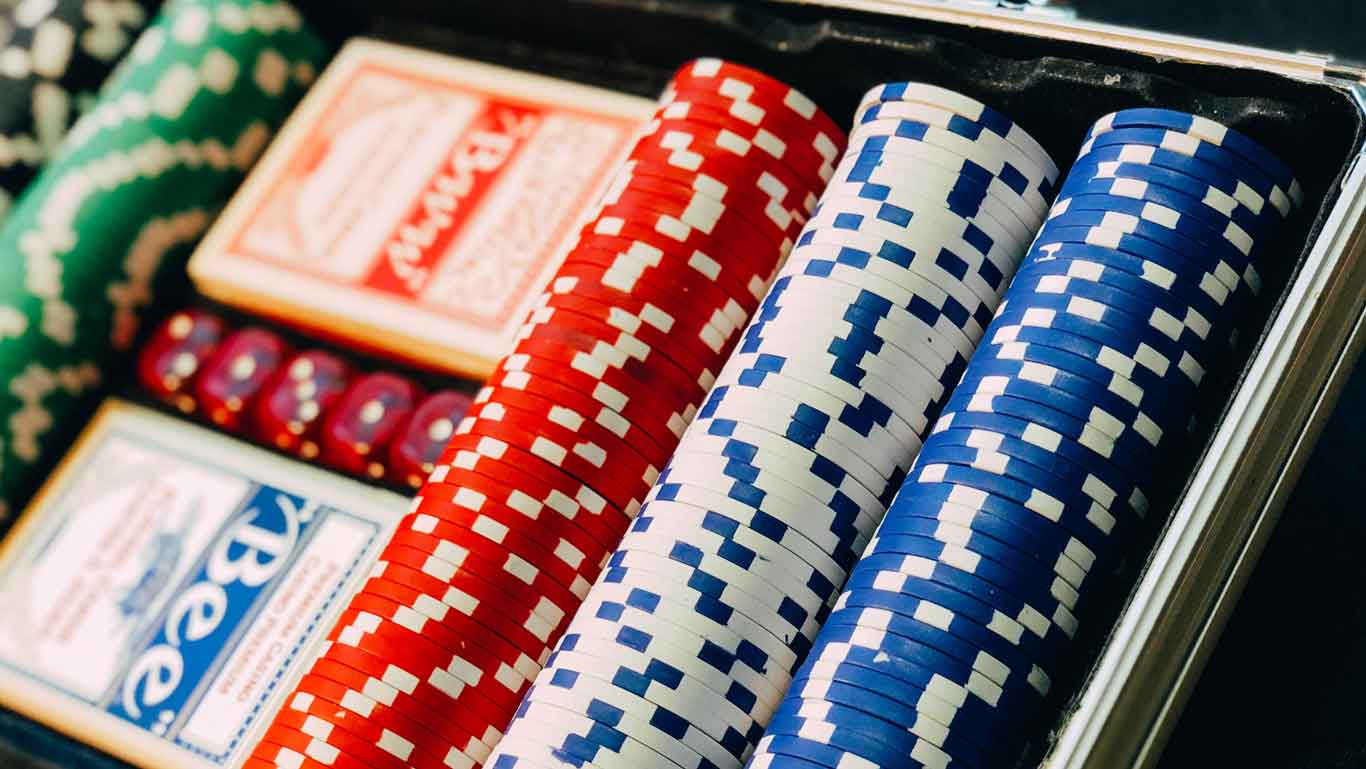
(1117, 422)
(976, 702)
(1161, 307)
(925, 507)
(1140, 343)
(1203, 128)
(989, 607)
(1097, 478)
(1020, 558)
(746, 497)
(1079, 517)
(1149, 377)
(881, 745)
(1058, 381)
(1063, 502)
(1195, 262)
(1130, 454)
(833, 757)
(857, 688)
(1198, 191)
(1196, 288)
(990, 559)
(1219, 225)
(1185, 234)
(1115, 326)
(1036, 604)
(850, 702)
(1186, 145)
(1222, 179)
(1154, 396)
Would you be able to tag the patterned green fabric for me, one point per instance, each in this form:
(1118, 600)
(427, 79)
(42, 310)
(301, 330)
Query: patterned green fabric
(115, 213)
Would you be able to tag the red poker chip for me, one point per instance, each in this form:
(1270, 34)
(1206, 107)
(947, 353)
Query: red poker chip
(326, 703)
(338, 750)
(292, 758)
(761, 199)
(436, 721)
(803, 163)
(735, 81)
(594, 337)
(463, 638)
(688, 345)
(439, 700)
(620, 268)
(695, 140)
(579, 533)
(437, 503)
(594, 356)
(734, 171)
(660, 440)
(645, 311)
(253, 762)
(506, 611)
(822, 137)
(799, 154)
(750, 206)
(505, 482)
(561, 427)
(545, 531)
(624, 488)
(727, 234)
(609, 386)
(737, 279)
(392, 641)
(644, 299)
(361, 738)
(500, 649)
(490, 567)
(326, 672)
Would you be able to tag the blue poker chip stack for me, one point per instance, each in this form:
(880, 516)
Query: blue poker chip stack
(685, 648)
(1037, 474)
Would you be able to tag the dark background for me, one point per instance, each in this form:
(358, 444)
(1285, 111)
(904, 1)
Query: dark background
(1285, 686)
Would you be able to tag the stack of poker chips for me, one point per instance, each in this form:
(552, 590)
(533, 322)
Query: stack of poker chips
(54, 55)
(428, 663)
(113, 215)
(310, 403)
(1039, 472)
(683, 650)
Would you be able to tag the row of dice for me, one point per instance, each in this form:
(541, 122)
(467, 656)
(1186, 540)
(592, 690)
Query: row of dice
(309, 403)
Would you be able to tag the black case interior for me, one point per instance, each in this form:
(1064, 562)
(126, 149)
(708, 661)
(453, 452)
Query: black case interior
(1055, 90)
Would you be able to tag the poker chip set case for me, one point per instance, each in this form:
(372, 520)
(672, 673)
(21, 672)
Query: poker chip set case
(812, 453)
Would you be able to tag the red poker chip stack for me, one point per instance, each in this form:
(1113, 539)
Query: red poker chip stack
(543, 476)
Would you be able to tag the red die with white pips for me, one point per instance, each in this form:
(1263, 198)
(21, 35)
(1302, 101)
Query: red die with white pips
(290, 412)
(175, 355)
(414, 454)
(235, 375)
(368, 417)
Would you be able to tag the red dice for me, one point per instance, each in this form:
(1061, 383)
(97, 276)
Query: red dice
(171, 359)
(292, 406)
(368, 417)
(235, 375)
(414, 453)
